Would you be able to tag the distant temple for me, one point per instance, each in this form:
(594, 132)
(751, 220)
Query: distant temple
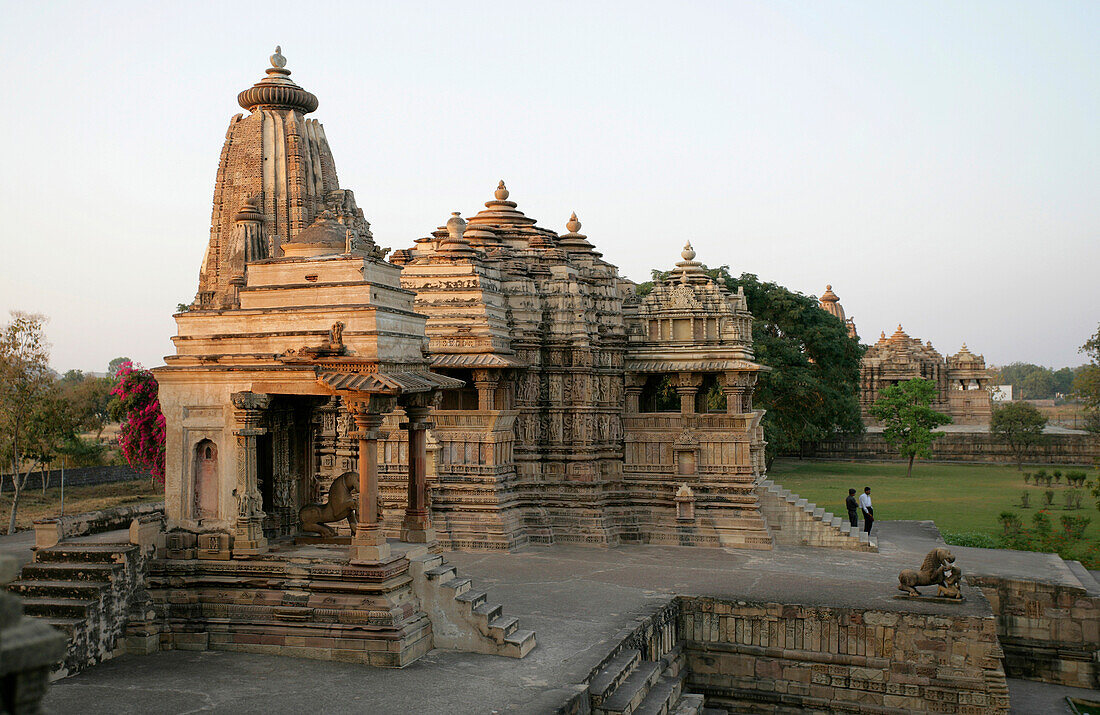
(962, 381)
(963, 385)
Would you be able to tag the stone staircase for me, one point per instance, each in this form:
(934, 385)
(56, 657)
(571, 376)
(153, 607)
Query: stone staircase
(85, 590)
(795, 521)
(462, 617)
(627, 685)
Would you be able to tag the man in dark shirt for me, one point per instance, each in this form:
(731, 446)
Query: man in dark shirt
(853, 508)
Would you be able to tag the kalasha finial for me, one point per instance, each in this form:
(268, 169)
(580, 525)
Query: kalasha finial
(501, 192)
(828, 287)
(573, 225)
(688, 253)
(456, 225)
(277, 59)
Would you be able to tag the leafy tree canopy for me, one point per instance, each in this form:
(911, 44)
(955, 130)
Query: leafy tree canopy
(1086, 384)
(1020, 424)
(812, 391)
(908, 419)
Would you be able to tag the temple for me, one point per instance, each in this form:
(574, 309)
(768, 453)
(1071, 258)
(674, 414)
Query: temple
(962, 381)
(495, 385)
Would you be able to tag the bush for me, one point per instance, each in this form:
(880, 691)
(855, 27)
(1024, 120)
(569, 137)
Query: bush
(1025, 500)
(1027, 477)
(1074, 526)
(975, 539)
(1057, 476)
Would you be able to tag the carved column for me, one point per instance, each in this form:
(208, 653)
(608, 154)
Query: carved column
(368, 544)
(248, 536)
(416, 527)
(686, 387)
(634, 386)
(733, 392)
(486, 383)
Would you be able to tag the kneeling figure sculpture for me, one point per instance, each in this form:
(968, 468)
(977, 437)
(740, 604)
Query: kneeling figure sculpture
(938, 569)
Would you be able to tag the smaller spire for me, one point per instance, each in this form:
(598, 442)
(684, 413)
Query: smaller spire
(455, 244)
(574, 241)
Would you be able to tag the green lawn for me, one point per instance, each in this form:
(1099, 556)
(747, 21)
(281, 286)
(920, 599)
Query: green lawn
(958, 497)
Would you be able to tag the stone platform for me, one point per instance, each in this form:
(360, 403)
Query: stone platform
(581, 601)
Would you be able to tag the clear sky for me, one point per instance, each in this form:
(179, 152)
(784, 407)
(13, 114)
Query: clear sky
(937, 163)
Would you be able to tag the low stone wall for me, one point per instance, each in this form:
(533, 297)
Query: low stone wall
(50, 531)
(1049, 633)
(1083, 449)
(771, 657)
(82, 476)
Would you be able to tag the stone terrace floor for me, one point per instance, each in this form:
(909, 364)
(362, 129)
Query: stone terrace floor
(579, 600)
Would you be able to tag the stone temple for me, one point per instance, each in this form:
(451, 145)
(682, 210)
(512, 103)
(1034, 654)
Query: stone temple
(513, 388)
(341, 418)
(963, 384)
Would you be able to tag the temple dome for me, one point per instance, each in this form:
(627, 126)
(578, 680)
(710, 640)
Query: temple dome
(326, 235)
(277, 90)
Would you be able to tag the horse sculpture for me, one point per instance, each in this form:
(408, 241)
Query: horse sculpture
(938, 562)
(342, 504)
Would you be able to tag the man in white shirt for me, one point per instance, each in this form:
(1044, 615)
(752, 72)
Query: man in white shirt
(865, 507)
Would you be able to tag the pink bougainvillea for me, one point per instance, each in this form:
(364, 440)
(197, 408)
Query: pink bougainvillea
(141, 436)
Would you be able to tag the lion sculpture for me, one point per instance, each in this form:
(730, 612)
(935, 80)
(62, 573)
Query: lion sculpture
(342, 504)
(936, 563)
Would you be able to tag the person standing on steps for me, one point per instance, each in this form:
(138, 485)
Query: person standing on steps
(853, 508)
(865, 507)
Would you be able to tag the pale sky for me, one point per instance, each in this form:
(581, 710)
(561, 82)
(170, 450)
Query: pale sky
(937, 163)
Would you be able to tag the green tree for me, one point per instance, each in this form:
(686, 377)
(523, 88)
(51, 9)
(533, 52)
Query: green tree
(907, 418)
(1063, 380)
(1086, 383)
(114, 365)
(1039, 385)
(25, 398)
(1020, 425)
(812, 392)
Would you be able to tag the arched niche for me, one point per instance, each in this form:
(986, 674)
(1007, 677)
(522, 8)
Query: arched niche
(205, 466)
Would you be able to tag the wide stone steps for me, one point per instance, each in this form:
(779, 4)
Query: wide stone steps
(628, 685)
(47, 571)
(831, 530)
(85, 553)
(57, 607)
(50, 588)
(82, 590)
(462, 617)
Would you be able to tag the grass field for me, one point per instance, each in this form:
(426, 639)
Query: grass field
(33, 505)
(958, 497)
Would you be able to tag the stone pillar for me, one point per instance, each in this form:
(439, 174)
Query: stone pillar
(733, 399)
(248, 534)
(368, 544)
(486, 383)
(416, 527)
(687, 386)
